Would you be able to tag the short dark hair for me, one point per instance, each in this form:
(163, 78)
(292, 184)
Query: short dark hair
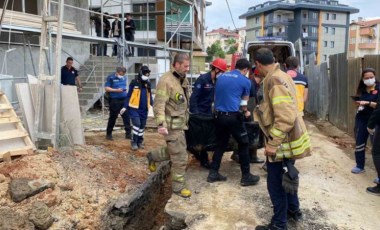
(264, 56)
(180, 58)
(128, 14)
(292, 62)
(69, 59)
(121, 69)
(243, 63)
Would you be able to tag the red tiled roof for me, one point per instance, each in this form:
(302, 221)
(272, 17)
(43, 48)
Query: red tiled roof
(224, 32)
(367, 23)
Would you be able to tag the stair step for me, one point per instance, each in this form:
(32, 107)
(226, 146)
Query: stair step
(85, 95)
(83, 102)
(90, 89)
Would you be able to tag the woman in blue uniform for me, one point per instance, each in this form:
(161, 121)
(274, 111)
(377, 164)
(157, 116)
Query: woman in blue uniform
(139, 100)
(366, 97)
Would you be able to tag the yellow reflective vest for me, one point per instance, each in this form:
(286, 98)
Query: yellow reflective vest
(279, 118)
(134, 101)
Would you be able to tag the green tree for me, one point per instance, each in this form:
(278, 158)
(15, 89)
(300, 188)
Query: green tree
(215, 50)
(232, 50)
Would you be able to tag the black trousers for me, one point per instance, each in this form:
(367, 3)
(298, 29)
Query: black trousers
(115, 106)
(114, 53)
(130, 37)
(376, 150)
(225, 126)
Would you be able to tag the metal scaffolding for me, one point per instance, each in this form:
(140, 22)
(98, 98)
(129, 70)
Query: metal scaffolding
(46, 44)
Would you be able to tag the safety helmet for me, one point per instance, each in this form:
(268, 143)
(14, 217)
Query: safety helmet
(220, 64)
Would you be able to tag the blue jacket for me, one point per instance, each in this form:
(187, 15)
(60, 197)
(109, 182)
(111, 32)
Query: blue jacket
(115, 83)
(140, 92)
(203, 95)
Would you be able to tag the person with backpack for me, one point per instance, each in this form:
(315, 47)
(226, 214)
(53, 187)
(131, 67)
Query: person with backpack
(116, 87)
(139, 100)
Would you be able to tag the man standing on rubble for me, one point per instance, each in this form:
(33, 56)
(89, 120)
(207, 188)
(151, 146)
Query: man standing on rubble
(116, 86)
(171, 114)
(286, 139)
(201, 103)
(231, 98)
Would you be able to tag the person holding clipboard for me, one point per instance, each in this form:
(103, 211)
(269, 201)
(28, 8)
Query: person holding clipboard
(365, 100)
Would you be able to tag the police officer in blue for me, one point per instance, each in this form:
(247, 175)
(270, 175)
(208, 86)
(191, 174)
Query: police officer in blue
(69, 75)
(116, 86)
(232, 92)
(201, 111)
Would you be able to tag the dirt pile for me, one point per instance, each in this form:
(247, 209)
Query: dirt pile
(81, 183)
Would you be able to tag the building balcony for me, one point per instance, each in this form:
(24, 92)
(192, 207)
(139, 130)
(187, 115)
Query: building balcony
(279, 22)
(280, 35)
(367, 46)
(367, 32)
(308, 21)
(309, 49)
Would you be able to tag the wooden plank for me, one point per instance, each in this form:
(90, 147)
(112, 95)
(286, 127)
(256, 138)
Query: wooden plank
(12, 135)
(6, 120)
(5, 155)
(3, 106)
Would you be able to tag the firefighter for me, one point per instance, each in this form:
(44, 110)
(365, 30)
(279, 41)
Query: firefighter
(201, 111)
(171, 113)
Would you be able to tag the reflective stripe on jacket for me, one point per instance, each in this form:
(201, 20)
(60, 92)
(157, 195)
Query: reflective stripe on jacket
(171, 102)
(279, 117)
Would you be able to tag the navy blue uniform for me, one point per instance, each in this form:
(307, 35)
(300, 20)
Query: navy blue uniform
(374, 122)
(139, 115)
(116, 103)
(203, 95)
(68, 76)
(229, 90)
(361, 121)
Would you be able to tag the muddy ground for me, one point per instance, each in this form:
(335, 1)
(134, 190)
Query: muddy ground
(87, 177)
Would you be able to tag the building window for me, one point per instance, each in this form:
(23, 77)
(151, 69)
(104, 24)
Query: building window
(143, 52)
(324, 43)
(314, 31)
(141, 21)
(332, 44)
(325, 57)
(314, 15)
(333, 16)
(333, 31)
(327, 16)
(305, 15)
(257, 20)
(256, 33)
(326, 30)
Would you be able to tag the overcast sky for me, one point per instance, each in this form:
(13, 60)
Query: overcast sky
(217, 14)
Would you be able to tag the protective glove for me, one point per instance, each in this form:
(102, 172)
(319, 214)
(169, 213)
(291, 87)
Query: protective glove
(122, 111)
(163, 131)
(290, 179)
(371, 131)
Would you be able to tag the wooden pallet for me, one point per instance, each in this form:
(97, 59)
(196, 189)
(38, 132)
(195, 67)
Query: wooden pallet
(14, 139)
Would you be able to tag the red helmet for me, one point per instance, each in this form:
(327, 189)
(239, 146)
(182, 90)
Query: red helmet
(220, 64)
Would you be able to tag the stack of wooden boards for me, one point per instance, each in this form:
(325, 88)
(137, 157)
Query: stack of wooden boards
(16, 18)
(14, 140)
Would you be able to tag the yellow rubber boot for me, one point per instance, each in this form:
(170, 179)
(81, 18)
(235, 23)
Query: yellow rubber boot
(151, 164)
(185, 193)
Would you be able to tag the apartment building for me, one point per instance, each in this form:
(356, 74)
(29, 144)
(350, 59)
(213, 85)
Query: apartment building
(225, 36)
(364, 38)
(321, 25)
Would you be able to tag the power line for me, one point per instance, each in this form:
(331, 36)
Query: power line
(229, 9)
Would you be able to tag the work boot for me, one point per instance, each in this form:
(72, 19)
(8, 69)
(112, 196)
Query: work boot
(109, 137)
(235, 157)
(184, 193)
(249, 179)
(374, 190)
(151, 163)
(204, 161)
(134, 147)
(295, 215)
(141, 146)
(254, 158)
(215, 176)
(269, 227)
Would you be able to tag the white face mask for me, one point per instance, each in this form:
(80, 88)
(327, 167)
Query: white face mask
(369, 82)
(119, 76)
(144, 78)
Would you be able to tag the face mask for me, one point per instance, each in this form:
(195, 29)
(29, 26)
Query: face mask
(369, 82)
(144, 78)
(119, 76)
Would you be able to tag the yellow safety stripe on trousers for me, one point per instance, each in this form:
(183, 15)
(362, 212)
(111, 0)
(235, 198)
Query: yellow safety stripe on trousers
(277, 133)
(297, 143)
(162, 93)
(294, 152)
(282, 99)
(178, 178)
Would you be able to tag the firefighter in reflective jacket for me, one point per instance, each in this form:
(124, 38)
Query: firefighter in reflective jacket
(171, 114)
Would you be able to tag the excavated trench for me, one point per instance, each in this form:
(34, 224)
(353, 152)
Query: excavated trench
(145, 208)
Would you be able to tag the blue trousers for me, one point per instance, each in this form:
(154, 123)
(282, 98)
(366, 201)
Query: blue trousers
(282, 201)
(361, 137)
(138, 127)
(376, 150)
